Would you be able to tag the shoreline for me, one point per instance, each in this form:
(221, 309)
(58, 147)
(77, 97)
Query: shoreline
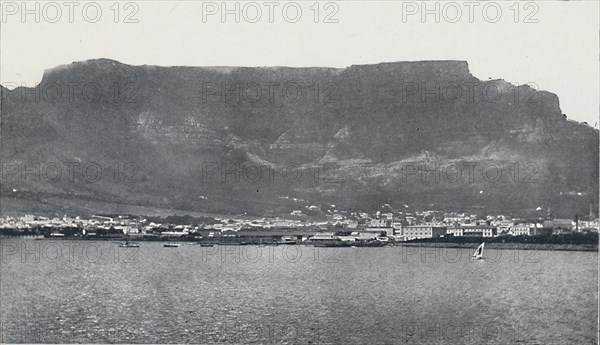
(515, 246)
(470, 245)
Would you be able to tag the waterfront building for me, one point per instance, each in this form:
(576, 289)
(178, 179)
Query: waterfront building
(414, 232)
(173, 233)
(560, 224)
(472, 231)
(323, 236)
(381, 225)
(591, 225)
(526, 229)
(347, 238)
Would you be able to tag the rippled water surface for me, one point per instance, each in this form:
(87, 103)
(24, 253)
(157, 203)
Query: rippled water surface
(82, 292)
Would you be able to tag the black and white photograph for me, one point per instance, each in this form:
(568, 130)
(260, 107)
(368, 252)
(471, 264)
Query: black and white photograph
(306, 172)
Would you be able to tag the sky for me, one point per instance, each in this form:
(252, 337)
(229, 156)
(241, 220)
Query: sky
(554, 45)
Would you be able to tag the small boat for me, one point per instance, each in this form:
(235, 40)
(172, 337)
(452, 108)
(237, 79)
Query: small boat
(127, 244)
(478, 255)
(206, 245)
(287, 240)
(171, 245)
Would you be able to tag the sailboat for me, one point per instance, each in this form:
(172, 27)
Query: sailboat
(478, 255)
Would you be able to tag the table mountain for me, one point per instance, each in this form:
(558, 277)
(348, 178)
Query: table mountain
(268, 140)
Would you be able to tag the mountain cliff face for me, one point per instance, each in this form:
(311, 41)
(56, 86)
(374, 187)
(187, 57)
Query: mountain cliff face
(269, 140)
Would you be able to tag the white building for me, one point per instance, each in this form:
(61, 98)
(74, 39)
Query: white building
(323, 236)
(522, 229)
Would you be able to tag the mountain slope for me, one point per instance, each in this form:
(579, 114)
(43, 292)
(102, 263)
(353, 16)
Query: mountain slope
(355, 137)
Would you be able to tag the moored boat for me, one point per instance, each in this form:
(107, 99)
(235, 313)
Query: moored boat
(287, 240)
(128, 244)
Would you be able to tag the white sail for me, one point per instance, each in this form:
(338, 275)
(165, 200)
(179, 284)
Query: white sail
(479, 252)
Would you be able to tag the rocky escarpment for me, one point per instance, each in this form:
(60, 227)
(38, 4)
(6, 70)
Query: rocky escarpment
(426, 134)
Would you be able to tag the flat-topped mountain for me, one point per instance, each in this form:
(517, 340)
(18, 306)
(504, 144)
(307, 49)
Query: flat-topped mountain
(274, 139)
